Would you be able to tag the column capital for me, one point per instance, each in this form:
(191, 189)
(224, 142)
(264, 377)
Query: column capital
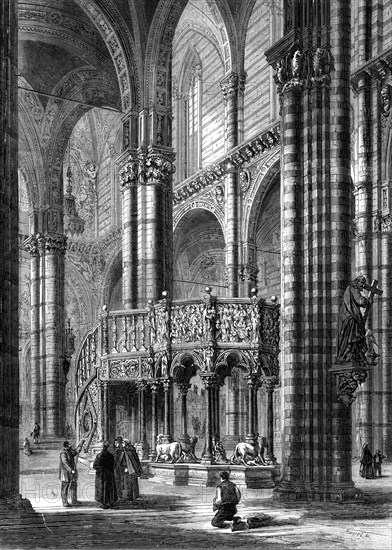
(209, 380)
(232, 84)
(159, 165)
(154, 386)
(166, 383)
(31, 245)
(297, 68)
(52, 243)
(269, 383)
(129, 169)
(253, 380)
(141, 385)
(183, 388)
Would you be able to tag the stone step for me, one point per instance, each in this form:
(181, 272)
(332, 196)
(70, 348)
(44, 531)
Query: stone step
(55, 444)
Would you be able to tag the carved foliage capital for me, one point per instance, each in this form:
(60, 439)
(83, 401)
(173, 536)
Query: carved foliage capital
(298, 69)
(232, 84)
(183, 388)
(209, 381)
(159, 169)
(31, 245)
(50, 243)
(129, 172)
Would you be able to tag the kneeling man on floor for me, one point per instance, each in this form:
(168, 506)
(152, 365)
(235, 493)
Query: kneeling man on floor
(225, 502)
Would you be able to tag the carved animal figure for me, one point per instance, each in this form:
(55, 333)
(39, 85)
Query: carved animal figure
(167, 452)
(188, 451)
(248, 455)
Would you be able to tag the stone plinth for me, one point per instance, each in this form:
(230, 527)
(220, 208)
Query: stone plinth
(204, 475)
(334, 492)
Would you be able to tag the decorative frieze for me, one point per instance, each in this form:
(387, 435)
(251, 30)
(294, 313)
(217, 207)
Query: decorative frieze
(238, 158)
(386, 97)
(127, 368)
(379, 68)
(186, 323)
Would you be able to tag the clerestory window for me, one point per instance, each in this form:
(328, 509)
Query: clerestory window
(193, 121)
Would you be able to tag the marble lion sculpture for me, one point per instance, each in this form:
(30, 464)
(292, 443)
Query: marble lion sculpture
(167, 452)
(246, 454)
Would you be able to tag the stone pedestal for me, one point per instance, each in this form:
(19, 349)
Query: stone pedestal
(256, 477)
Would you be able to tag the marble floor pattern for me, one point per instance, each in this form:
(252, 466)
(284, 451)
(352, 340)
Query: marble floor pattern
(179, 517)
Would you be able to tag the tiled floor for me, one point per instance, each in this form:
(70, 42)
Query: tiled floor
(179, 517)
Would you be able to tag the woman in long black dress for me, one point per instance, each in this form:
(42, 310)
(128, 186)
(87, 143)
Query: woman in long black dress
(366, 469)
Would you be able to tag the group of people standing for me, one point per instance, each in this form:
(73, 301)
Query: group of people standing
(117, 473)
(370, 463)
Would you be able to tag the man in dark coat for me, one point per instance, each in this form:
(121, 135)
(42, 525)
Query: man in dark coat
(68, 473)
(132, 472)
(225, 502)
(127, 469)
(105, 487)
(118, 470)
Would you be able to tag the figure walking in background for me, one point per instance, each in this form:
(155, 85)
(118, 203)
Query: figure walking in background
(377, 462)
(366, 469)
(105, 487)
(36, 432)
(26, 447)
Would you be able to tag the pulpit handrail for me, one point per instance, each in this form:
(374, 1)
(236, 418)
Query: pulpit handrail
(129, 312)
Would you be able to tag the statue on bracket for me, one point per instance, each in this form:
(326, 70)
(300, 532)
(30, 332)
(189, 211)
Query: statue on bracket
(352, 343)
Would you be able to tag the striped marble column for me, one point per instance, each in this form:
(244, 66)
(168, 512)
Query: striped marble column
(31, 245)
(156, 220)
(232, 85)
(52, 255)
(129, 175)
(364, 229)
(9, 329)
(316, 194)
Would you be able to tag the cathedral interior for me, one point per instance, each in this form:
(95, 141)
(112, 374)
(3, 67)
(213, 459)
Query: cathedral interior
(188, 188)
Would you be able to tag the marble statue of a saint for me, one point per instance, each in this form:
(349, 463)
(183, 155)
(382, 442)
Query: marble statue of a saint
(351, 344)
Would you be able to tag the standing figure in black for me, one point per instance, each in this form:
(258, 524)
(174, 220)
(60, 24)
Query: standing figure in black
(127, 468)
(225, 502)
(366, 469)
(118, 469)
(68, 473)
(105, 487)
(133, 470)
